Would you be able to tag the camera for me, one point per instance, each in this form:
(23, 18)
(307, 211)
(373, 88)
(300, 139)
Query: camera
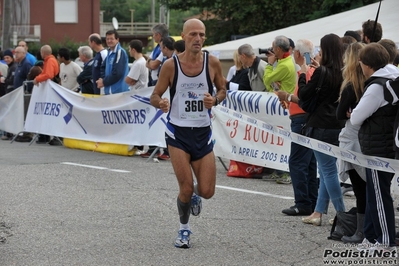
(266, 51)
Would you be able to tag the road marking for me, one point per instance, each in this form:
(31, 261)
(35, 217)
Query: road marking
(223, 187)
(255, 192)
(96, 167)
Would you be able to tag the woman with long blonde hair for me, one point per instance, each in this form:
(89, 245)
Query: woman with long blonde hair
(352, 89)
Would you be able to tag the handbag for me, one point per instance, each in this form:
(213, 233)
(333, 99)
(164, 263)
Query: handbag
(240, 169)
(309, 105)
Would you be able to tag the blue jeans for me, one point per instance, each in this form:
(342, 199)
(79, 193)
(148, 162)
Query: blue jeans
(302, 164)
(329, 188)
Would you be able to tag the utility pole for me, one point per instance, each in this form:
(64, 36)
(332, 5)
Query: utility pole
(5, 42)
(152, 20)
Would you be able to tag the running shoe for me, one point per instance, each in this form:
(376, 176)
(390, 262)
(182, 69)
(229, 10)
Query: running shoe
(183, 239)
(196, 205)
(163, 157)
(284, 179)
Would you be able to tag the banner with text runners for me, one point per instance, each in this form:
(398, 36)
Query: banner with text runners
(124, 118)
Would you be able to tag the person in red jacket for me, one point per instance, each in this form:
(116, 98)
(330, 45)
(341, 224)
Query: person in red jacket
(51, 67)
(50, 71)
(302, 162)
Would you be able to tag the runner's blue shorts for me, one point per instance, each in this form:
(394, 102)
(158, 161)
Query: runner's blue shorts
(196, 141)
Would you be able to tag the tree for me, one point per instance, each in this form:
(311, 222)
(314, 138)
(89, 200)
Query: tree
(250, 17)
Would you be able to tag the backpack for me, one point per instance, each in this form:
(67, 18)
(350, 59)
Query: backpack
(345, 224)
(391, 95)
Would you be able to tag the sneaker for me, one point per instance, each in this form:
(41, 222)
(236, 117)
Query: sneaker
(346, 189)
(183, 239)
(23, 139)
(145, 155)
(295, 211)
(272, 177)
(365, 245)
(196, 205)
(379, 250)
(5, 138)
(163, 156)
(284, 179)
(54, 142)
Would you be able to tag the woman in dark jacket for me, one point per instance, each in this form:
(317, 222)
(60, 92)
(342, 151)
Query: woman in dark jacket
(239, 80)
(12, 67)
(322, 124)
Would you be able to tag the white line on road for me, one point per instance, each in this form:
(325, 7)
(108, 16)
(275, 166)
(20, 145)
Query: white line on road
(96, 167)
(255, 192)
(223, 187)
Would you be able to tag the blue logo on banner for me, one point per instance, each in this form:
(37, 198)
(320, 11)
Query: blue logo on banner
(69, 115)
(158, 113)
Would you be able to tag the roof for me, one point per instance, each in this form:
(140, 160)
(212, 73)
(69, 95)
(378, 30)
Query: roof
(314, 30)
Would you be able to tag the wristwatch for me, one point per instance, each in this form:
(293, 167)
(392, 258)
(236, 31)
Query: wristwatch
(289, 97)
(216, 100)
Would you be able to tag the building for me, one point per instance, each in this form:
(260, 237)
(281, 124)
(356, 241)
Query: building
(44, 21)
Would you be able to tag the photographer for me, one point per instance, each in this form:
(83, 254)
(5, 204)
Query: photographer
(255, 64)
(280, 76)
(283, 73)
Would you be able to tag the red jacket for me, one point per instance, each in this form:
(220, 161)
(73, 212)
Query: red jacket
(50, 69)
(294, 108)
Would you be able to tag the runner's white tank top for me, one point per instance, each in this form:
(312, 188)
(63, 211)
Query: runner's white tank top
(187, 97)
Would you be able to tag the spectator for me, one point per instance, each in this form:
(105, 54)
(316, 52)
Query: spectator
(69, 70)
(376, 117)
(353, 34)
(156, 57)
(9, 81)
(30, 57)
(256, 67)
(280, 74)
(352, 89)
(239, 77)
(3, 73)
(179, 46)
(23, 67)
(390, 46)
(138, 74)
(12, 67)
(372, 31)
(302, 162)
(85, 77)
(167, 48)
(50, 70)
(347, 40)
(322, 124)
(116, 66)
(95, 43)
(396, 60)
(21, 75)
(283, 76)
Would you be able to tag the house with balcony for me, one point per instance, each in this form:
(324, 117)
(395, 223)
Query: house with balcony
(44, 21)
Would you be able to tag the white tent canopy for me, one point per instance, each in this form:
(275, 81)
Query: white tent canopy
(314, 30)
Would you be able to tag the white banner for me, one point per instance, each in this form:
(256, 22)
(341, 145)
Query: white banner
(12, 111)
(238, 140)
(222, 114)
(124, 118)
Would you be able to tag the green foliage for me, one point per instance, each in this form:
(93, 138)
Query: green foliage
(236, 17)
(73, 46)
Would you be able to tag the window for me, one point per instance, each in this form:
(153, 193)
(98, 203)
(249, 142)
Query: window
(66, 11)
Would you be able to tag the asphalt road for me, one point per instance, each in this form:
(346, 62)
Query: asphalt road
(56, 208)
